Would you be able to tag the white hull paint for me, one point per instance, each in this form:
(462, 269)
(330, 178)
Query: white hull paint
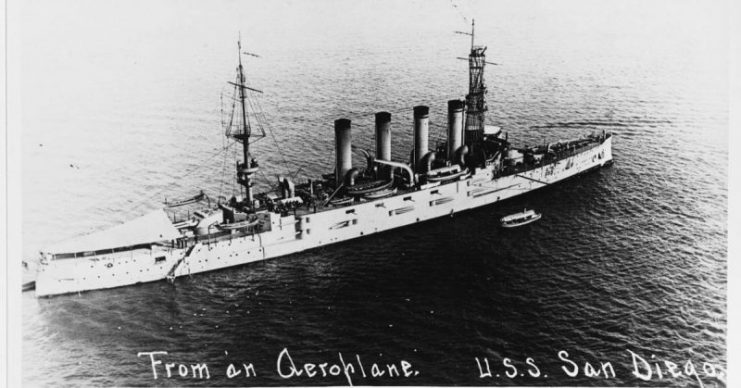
(293, 234)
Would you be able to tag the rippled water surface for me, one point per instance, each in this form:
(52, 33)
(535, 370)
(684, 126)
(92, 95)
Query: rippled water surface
(122, 109)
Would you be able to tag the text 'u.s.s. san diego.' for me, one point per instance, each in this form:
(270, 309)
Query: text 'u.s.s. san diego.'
(645, 367)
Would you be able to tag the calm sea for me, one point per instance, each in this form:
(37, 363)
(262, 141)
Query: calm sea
(122, 109)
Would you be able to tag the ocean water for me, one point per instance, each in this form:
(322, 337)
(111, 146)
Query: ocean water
(122, 109)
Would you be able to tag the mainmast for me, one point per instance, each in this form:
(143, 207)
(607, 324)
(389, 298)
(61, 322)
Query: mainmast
(248, 166)
(476, 97)
(242, 97)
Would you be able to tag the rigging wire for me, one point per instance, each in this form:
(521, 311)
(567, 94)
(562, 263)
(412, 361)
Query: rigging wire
(261, 116)
(395, 111)
(226, 146)
(262, 121)
(187, 173)
(224, 139)
(234, 182)
(437, 135)
(223, 170)
(458, 9)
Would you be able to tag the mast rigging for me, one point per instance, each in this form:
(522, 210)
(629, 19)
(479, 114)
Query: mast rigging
(249, 165)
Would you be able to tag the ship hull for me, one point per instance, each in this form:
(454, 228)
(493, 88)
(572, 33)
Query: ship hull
(292, 234)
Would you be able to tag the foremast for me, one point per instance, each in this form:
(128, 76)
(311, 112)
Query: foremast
(248, 166)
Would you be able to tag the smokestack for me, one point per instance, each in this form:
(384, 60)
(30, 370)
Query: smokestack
(343, 152)
(383, 135)
(421, 132)
(455, 126)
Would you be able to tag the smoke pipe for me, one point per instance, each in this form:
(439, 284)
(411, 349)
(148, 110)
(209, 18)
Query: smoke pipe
(282, 183)
(455, 127)
(427, 161)
(421, 133)
(383, 135)
(351, 176)
(460, 155)
(289, 188)
(343, 151)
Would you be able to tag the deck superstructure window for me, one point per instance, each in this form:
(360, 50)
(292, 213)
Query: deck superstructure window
(160, 259)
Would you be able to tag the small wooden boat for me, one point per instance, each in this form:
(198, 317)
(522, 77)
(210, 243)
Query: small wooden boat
(369, 187)
(380, 194)
(197, 198)
(446, 174)
(186, 223)
(518, 219)
(238, 225)
(341, 201)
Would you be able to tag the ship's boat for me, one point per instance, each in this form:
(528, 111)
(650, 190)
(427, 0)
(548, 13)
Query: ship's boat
(380, 193)
(341, 201)
(369, 187)
(518, 219)
(187, 201)
(189, 223)
(446, 174)
(238, 225)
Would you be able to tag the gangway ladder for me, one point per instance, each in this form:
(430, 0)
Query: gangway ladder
(171, 274)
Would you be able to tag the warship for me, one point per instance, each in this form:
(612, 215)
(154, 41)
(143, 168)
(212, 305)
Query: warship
(475, 166)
